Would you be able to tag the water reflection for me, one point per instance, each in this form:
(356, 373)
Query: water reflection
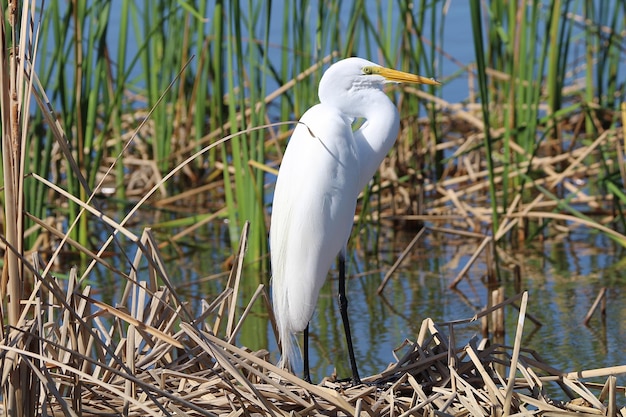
(562, 287)
(563, 277)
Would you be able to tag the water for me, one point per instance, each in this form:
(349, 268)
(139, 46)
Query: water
(563, 277)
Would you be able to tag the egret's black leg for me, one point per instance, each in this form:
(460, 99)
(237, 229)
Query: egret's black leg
(305, 357)
(343, 308)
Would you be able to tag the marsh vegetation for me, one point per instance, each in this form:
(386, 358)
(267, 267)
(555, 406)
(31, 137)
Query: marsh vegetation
(130, 128)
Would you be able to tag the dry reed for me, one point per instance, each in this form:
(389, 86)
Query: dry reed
(151, 355)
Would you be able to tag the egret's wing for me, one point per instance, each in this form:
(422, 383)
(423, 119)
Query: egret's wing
(312, 213)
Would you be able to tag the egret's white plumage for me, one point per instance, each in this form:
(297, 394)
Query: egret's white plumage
(324, 168)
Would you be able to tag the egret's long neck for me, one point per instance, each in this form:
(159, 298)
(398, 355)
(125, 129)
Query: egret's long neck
(376, 137)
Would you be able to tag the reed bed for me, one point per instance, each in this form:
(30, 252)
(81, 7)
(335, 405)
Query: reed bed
(150, 354)
(200, 135)
(576, 185)
(559, 188)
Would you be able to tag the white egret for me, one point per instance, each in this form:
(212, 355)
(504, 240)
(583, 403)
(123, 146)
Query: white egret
(324, 168)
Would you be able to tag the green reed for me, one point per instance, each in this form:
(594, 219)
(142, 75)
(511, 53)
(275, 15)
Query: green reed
(236, 60)
(531, 43)
(73, 70)
(605, 50)
(90, 73)
(482, 83)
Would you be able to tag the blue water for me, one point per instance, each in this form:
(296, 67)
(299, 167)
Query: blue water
(562, 277)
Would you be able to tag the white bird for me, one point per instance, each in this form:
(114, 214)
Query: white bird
(325, 166)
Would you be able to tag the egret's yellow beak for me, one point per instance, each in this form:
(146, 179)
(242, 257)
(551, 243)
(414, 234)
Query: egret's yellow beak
(403, 77)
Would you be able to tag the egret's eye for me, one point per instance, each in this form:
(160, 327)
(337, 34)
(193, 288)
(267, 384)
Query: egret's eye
(368, 70)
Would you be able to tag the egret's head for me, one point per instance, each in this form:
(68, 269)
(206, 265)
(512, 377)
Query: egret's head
(353, 81)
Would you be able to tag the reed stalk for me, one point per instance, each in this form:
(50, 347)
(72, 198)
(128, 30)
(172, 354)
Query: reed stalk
(483, 88)
(17, 40)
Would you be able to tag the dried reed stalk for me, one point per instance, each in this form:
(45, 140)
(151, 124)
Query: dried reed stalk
(150, 356)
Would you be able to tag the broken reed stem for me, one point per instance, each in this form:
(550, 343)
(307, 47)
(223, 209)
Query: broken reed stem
(599, 298)
(469, 263)
(398, 262)
(516, 350)
(236, 274)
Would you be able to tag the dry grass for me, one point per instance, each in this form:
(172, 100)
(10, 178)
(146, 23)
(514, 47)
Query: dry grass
(459, 197)
(150, 355)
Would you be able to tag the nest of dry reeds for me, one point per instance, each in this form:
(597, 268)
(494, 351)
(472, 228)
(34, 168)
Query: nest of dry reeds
(151, 355)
